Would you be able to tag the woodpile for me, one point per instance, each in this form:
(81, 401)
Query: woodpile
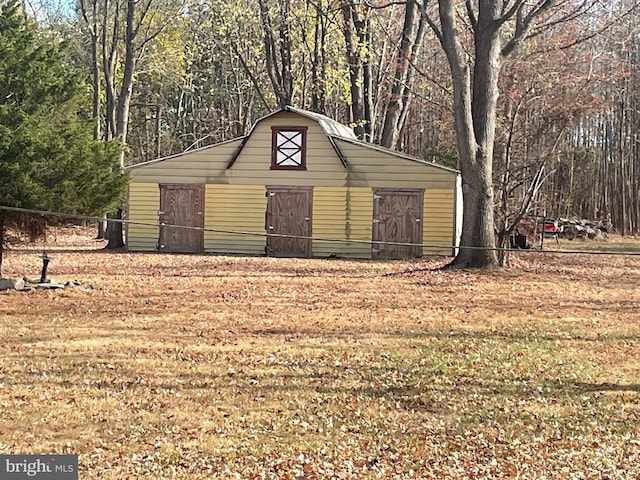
(583, 229)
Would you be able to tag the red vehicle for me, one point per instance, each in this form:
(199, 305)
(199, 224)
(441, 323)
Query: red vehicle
(548, 227)
(528, 230)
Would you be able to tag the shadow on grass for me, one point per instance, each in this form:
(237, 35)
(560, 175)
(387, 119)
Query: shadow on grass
(426, 334)
(528, 336)
(607, 387)
(429, 390)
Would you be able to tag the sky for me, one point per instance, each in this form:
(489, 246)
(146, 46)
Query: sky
(42, 10)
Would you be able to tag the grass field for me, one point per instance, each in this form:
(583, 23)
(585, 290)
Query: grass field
(201, 367)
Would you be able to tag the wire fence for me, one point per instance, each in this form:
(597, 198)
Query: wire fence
(440, 247)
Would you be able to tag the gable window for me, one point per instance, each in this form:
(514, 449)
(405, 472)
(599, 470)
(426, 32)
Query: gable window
(288, 149)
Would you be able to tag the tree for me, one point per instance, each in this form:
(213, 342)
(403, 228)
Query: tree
(400, 91)
(357, 36)
(114, 27)
(278, 51)
(497, 29)
(543, 96)
(48, 157)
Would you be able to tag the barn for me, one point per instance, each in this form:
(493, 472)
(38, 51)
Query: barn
(298, 185)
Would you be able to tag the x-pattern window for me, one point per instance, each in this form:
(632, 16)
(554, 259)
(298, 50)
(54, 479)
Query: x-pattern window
(289, 148)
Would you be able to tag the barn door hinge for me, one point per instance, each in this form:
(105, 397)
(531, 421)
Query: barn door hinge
(160, 212)
(418, 219)
(375, 250)
(375, 220)
(376, 196)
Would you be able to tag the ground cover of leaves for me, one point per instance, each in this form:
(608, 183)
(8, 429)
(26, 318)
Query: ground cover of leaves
(203, 367)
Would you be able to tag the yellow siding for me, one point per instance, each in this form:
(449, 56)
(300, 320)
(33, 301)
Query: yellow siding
(438, 221)
(379, 169)
(338, 214)
(235, 208)
(360, 219)
(253, 165)
(206, 165)
(342, 214)
(329, 220)
(144, 202)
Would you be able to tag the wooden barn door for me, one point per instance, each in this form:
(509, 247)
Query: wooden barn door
(181, 205)
(288, 213)
(397, 218)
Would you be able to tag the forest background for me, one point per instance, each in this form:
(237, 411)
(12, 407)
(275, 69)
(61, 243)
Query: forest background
(170, 76)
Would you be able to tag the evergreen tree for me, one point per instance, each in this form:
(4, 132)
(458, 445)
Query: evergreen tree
(48, 158)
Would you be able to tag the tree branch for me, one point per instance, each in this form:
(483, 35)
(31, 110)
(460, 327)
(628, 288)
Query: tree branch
(523, 23)
(472, 16)
(434, 27)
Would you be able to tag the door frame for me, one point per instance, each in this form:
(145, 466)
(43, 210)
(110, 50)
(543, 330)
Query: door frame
(199, 248)
(308, 217)
(377, 249)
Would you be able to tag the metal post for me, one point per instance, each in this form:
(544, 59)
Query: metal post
(45, 264)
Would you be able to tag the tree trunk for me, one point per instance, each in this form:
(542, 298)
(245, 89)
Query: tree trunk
(126, 89)
(475, 121)
(477, 191)
(498, 29)
(367, 84)
(109, 48)
(478, 230)
(101, 229)
(356, 110)
(2, 221)
(90, 17)
(395, 105)
(319, 64)
(158, 128)
(278, 66)
(114, 231)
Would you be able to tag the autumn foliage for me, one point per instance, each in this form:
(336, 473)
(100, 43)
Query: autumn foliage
(194, 367)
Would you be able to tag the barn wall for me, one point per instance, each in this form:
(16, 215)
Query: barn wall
(329, 220)
(342, 214)
(205, 165)
(457, 215)
(253, 165)
(438, 221)
(380, 169)
(235, 208)
(347, 213)
(359, 221)
(144, 202)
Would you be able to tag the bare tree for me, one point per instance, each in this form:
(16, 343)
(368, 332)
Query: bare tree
(497, 28)
(357, 36)
(400, 91)
(278, 49)
(113, 26)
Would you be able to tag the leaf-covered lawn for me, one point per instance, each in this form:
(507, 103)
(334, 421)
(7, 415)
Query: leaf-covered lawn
(198, 367)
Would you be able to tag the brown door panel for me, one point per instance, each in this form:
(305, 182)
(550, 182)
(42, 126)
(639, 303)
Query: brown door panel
(397, 220)
(289, 215)
(181, 206)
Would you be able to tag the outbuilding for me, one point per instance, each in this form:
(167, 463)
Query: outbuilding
(298, 185)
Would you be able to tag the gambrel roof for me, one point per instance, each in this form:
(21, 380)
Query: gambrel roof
(336, 133)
